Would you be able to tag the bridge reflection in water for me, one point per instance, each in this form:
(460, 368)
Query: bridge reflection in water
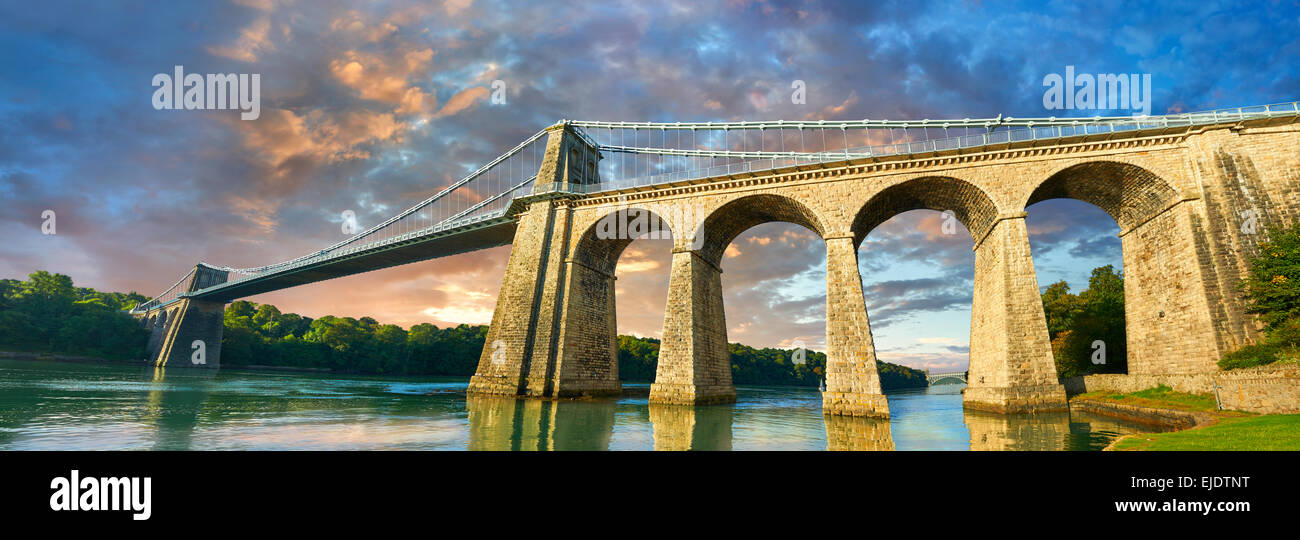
(174, 404)
(1044, 431)
(57, 406)
(506, 423)
(682, 427)
(857, 433)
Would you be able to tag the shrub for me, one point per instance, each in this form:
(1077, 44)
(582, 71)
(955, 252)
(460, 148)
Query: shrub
(1272, 288)
(1273, 284)
(1249, 356)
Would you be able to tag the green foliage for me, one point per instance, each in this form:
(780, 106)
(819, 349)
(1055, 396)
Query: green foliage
(1273, 284)
(46, 313)
(1075, 322)
(264, 336)
(637, 358)
(1272, 289)
(1257, 354)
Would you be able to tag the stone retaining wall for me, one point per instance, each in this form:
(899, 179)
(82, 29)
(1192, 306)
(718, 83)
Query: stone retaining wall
(1265, 389)
(1169, 418)
(1199, 383)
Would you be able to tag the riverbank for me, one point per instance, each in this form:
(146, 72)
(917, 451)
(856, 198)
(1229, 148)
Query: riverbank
(1195, 421)
(74, 359)
(51, 357)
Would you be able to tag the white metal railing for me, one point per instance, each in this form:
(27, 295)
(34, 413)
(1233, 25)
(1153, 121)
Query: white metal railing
(1024, 129)
(464, 204)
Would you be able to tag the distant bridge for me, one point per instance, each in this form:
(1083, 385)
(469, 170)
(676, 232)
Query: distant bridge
(1178, 186)
(934, 378)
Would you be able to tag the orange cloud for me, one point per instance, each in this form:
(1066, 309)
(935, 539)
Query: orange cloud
(463, 100)
(253, 39)
(377, 79)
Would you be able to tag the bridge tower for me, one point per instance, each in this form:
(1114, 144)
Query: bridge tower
(179, 329)
(553, 329)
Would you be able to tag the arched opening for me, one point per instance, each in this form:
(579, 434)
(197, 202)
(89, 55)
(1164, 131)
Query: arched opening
(724, 224)
(969, 205)
(915, 241)
(641, 270)
(625, 243)
(695, 363)
(1103, 243)
(771, 255)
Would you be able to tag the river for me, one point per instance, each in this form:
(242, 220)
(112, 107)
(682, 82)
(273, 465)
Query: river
(74, 406)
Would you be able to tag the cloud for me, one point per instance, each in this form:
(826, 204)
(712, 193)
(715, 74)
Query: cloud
(375, 107)
(463, 101)
(253, 40)
(387, 80)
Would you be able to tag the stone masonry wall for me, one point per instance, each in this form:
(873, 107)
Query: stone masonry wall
(694, 362)
(1265, 389)
(1177, 198)
(1011, 364)
(852, 382)
(191, 321)
(1168, 318)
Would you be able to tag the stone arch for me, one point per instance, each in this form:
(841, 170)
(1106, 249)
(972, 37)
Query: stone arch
(970, 204)
(603, 241)
(157, 332)
(848, 327)
(586, 342)
(736, 216)
(1130, 194)
(1167, 318)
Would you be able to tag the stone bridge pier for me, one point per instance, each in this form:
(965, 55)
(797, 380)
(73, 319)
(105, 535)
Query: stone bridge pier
(179, 329)
(1180, 197)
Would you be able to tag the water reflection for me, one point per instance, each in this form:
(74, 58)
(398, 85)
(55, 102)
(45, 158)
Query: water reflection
(54, 406)
(1044, 431)
(172, 407)
(506, 423)
(854, 433)
(682, 427)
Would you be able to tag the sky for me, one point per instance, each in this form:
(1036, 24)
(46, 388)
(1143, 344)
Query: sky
(372, 107)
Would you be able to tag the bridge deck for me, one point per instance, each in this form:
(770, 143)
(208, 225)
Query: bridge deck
(480, 226)
(490, 233)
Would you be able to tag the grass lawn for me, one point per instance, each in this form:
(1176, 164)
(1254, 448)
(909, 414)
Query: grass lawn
(1268, 432)
(1232, 430)
(1160, 397)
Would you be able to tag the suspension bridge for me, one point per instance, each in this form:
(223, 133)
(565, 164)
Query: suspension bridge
(560, 174)
(477, 211)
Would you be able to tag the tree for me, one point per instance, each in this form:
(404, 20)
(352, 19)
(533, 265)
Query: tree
(1272, 286)
(1060, 307)
(1081, 326)
(47, 313)
(1272, 290)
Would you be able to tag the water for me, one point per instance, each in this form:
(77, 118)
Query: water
(66, 406)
